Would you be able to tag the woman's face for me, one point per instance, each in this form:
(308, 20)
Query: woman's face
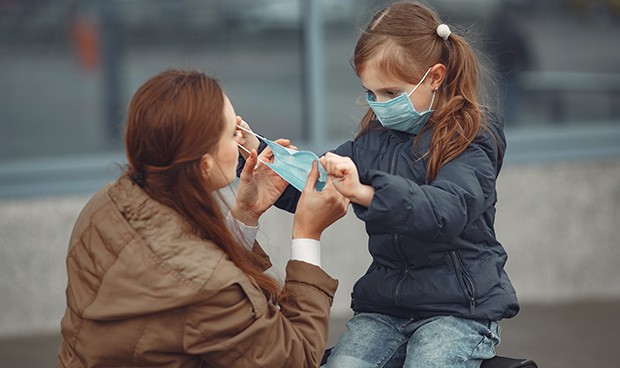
(385, 88)
(223, 167)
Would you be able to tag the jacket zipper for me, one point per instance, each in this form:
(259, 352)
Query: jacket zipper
(397, 288)
(403, 274)
(399, 283)
(392, 162)
(469, 289)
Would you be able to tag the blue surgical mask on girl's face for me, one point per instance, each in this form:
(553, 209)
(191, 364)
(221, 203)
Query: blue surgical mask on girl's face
(294, 166)
(399, 113)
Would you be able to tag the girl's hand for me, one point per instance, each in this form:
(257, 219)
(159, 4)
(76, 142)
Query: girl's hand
(247, 140)
(345, 177)
(259, 187)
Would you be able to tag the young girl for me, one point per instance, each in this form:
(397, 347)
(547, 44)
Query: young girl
(421, 174)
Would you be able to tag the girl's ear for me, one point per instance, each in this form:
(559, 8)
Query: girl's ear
(437, 75)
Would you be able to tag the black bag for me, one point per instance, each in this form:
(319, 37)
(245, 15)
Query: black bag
(495, 362)
(503, 362)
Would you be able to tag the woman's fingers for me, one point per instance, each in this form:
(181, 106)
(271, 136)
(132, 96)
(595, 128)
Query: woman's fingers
(313, 176)
(250, 163)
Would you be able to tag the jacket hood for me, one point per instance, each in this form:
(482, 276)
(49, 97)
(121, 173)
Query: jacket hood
(495, 126)
(130, 255)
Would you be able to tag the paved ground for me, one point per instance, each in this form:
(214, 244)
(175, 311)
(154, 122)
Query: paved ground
(555, 336)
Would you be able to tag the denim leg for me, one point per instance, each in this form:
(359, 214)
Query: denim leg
(371, 341)
(451, 342)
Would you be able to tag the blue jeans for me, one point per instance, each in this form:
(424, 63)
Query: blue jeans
(376, 340)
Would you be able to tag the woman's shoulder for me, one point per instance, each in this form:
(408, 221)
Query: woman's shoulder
(165, 234)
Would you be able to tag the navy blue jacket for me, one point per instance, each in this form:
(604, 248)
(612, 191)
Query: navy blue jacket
(433, 245)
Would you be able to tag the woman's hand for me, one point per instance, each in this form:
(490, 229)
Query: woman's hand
(259, 186)
(247, 140)
(346, 180)
(316, 211)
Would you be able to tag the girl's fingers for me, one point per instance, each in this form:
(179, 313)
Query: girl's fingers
(334, 164)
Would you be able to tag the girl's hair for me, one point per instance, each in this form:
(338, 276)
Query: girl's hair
(174, 119)
(402, 42)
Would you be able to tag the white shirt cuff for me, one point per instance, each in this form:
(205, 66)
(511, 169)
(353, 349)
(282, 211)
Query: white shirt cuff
(245, 234)
(306, 250)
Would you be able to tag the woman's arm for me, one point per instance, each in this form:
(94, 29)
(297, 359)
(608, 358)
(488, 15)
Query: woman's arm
(238, 326)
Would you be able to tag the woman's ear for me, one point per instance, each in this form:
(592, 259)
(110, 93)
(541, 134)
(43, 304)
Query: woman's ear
(437, 75)
(207, 164)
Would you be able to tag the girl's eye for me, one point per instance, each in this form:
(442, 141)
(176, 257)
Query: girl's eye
(369, 94)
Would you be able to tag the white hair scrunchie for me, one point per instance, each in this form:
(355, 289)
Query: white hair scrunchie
(443, 31)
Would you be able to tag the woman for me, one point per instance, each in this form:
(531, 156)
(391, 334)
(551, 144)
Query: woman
(160, 276)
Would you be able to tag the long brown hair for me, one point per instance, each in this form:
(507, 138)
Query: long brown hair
(402, 41)
(173, 120)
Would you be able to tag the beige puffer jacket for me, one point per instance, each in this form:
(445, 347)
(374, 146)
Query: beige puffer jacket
(145, 292)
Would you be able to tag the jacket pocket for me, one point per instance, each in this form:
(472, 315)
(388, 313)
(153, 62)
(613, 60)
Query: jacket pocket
(465, 281)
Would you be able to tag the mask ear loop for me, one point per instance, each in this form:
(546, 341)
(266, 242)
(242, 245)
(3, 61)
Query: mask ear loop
(433, 98)
(248, 152)
(420, 82)
(332, 182)
(251, 132)
(256, 135)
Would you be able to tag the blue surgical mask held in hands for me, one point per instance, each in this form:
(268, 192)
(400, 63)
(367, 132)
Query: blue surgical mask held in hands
(293, 166)
(399, 113)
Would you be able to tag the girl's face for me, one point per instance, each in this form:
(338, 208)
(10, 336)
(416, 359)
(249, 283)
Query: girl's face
(385, 88)
(222, 164)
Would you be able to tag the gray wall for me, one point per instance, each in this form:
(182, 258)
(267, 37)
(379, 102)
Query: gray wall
(560, 223)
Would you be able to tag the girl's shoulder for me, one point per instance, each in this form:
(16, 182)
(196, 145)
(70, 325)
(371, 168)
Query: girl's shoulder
(492, 129)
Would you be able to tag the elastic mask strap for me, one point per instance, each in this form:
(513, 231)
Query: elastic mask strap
(257, 136)
(420, 82)
(432, 99)
(246, 150)
(251, 132)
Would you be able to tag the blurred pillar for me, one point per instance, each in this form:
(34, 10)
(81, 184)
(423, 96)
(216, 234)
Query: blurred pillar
(111, 54)
(313, 127)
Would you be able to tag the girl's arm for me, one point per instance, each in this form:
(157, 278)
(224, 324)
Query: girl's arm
(346, 179)
(463, 190)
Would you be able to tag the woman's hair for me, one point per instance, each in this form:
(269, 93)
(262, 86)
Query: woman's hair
(402, 42)
(174, 119)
